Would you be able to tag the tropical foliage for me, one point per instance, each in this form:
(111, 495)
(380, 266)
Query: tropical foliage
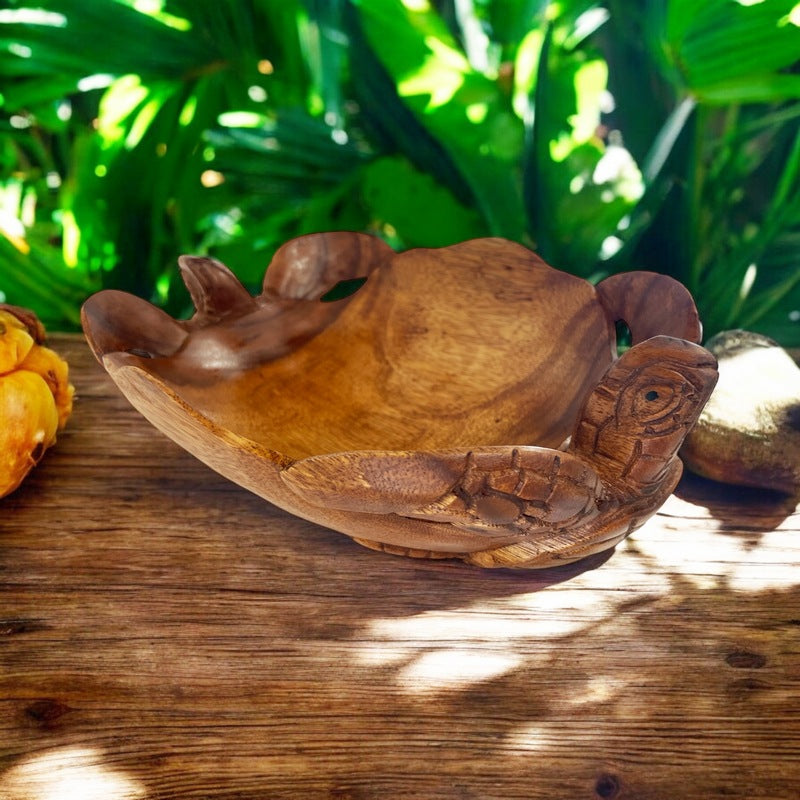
(608, 136)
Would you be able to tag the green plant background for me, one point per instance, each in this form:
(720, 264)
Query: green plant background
(608, 136)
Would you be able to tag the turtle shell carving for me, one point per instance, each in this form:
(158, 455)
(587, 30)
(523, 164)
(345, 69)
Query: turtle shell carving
(464, 402)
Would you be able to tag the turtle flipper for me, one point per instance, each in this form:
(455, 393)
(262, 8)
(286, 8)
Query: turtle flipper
(306, 268)
(215, 291)
(128, 326)
(628, 297)
(486, 490)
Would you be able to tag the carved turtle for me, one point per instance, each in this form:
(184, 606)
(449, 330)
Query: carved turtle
(619, 467)
(425, 414)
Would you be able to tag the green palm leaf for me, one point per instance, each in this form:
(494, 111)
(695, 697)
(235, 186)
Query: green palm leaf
(457, 105)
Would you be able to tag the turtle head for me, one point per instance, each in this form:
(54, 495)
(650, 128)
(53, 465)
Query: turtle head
(635, 420)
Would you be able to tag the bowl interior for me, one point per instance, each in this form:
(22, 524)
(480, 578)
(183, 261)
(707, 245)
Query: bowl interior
(476, 351)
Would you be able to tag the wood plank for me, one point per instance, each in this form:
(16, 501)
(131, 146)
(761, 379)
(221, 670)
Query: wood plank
(166, 634)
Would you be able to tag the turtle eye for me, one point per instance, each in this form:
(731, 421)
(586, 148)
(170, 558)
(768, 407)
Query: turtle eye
(654, 403)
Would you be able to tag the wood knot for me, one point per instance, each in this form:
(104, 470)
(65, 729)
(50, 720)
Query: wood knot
(607, 786)
(744, 659)
(11, 627)
(46, 711)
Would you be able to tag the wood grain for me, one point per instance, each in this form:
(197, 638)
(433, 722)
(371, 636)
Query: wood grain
(459, 348)
(166, 634)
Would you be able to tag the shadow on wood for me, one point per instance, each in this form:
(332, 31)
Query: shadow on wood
(166, 634)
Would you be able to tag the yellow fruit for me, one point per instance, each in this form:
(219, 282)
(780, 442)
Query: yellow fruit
(35, 396)
(30, 420)
(43, 361)
(15, 342)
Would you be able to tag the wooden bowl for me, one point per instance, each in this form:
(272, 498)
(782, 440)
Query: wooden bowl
(465, 402)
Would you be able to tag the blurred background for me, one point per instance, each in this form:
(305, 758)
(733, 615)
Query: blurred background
(608, 136)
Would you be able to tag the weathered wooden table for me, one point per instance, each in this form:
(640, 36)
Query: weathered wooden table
(165, 634)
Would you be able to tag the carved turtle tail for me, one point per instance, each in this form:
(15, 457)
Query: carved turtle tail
(637, 417)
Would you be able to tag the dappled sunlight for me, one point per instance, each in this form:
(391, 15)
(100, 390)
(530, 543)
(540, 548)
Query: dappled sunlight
(243, 119)
(597, 689)
(12, 225)
(155, 9)
(749, 403)
(98, 80)
(32, 16)
(618, 168)
(417, 5)
(744, 549)
(70, 773)
(452, 669)
(124, 97)
(440, 76)
(541, 736)
(743, 561)
(443, 649)
(477, 112)
(684, 547)
(529, 738)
